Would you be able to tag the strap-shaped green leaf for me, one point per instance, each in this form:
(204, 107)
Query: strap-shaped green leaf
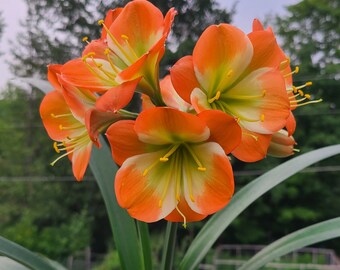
(307, 236)
(122, 225)
(242, 199)
(26, 257)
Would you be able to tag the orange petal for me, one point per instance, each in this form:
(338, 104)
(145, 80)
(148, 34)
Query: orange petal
(281, 145)
(260, 101)
(110, 17)
(166, 126)
(146, 102)
(139, 21)
(183, 77)
(80, 160)
(267, 53)
(189, 214)
(291, 124)
(257, 25)
(142, 195)
(170, 96)
(253, 146)
(77, 73)
(199, 100)
(97, 121)
(220, 56)
(117, 97)
(52, 71)
(98, 47)
(124, 141)
(223, 129)
(54, 113)
(208, 191)
(78, 100)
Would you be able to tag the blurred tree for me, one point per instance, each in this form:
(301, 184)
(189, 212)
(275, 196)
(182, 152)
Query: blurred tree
(36, 209)
(2, 26)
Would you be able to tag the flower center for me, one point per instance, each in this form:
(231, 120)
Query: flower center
(70, 144)
(176, 156)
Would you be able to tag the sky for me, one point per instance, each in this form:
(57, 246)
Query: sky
(14, 11)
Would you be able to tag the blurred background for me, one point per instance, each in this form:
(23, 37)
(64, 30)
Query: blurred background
(44, 209)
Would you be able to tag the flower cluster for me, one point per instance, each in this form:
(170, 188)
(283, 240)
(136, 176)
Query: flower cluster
(233, 95)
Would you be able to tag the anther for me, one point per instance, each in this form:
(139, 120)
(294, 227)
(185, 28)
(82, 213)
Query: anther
(101, 22)
(309, 83)
(216, 97)
(262, 118)
(85, 39)
(294, 89)
(301, 93)
(125, 37)
(308, 96)
(55, 146)
(202, 169)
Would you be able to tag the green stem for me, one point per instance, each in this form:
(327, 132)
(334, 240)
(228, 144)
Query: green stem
(144, 238)
(128, 113)
(169, 246)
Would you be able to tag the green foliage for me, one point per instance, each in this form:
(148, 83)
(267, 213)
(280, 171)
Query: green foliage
(111, 261)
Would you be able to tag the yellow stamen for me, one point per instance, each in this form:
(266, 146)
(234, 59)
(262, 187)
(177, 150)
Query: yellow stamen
(165, 191)
(251, 135)
(168, 154)
(284, 64)
(76, 126)
(189, 179)
(184, 218)
(93, 71)
(150, 167)
(119, 46)
(301, 93)
(295, 71)
(216, 97)
(60, 115)
(192, 153)
(126, 38)
(309, 102)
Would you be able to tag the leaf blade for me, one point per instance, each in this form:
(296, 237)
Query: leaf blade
(122, 225)
(26, 257)
(307, 236)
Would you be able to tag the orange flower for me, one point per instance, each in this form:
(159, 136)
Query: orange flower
(131, 46)
(63, 114)
(282, 144)
(241, 77)
(174, 164)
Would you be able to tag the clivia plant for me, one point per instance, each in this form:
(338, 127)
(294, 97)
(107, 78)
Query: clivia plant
(234, 97)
